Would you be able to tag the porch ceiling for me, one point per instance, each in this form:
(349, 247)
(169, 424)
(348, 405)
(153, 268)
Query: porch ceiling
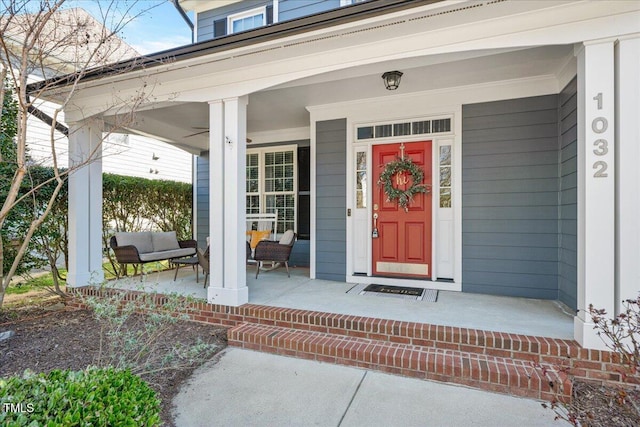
(185, 124)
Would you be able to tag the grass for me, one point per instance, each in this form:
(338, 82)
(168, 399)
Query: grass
(45, 280)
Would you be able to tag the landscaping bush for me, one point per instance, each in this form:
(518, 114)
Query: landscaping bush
(93, 397)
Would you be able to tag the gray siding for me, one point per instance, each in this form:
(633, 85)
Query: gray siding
(291, 9)
(568, 262)
(331, 205)
(202, 203)
(510, 189)
(206, 19)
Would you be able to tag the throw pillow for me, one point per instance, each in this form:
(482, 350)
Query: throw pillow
(257, 236)
(287, 237)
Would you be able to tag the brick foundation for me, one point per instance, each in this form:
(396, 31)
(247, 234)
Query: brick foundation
(496, 361)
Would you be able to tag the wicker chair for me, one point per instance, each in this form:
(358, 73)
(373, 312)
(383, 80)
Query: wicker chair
(269, 250)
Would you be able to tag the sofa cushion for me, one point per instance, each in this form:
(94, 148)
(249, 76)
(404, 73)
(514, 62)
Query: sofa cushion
(141, 240)
(164, 241)
(174, 253)
(287, 237)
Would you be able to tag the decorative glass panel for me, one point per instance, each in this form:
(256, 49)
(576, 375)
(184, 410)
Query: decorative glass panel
(383, 131)
(421, 127)
(445, 155)
(365, 132)
(441, 125)
(445, 197)
(445, 177)
(400, 129)
(361, 162)
(361, 180)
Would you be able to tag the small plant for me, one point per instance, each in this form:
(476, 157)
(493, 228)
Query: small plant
(134, 326)
(93, 397)
(621, 335)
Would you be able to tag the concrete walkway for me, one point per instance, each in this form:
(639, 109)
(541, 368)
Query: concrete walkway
(246, 388)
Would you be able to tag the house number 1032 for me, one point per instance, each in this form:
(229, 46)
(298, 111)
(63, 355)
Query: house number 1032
(599, 126)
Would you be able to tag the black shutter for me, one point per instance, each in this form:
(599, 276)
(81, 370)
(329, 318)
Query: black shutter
(269, 14)
(220, 27)
(304, 198)
(304, 168)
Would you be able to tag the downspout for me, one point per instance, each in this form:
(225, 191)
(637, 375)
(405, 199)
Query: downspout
(184, 16)
(46, 118)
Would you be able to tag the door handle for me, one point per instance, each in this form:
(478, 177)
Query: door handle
(374, 233)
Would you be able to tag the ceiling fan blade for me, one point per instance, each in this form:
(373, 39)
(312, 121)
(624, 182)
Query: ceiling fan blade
(195, 134)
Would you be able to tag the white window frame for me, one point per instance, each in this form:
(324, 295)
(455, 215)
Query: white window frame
(262, 194)
(246, 14)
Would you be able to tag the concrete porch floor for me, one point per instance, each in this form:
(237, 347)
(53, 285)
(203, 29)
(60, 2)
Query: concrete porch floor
(272, 288)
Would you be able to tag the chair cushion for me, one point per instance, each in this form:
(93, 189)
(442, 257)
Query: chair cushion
(174, 253)
(287, 237)
(141, 240)
(164, 241)
(257, 236)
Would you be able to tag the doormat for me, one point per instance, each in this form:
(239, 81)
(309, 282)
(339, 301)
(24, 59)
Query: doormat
(398, 292)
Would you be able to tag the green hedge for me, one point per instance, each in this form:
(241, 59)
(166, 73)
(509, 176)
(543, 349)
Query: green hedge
(93, 397)
(135, 204)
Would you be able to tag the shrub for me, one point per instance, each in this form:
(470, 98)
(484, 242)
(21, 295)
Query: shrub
(93, 397)
(134, 328)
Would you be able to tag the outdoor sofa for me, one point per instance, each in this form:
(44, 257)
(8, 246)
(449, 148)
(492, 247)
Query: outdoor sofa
(148, 246)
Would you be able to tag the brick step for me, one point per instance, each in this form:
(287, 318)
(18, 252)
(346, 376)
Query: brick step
(487, 372)
(501, 344)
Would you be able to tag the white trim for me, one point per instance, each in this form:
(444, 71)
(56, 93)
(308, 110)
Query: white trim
(465, 94)
(279, 135)
(194, 190)
(312, 199)
(596, 195)
(452, 138)
(246, 14)
(262, 193)
(276, 11)
(195, 26)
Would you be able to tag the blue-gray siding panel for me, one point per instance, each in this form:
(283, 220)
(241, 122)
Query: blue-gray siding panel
(202, 202)
(510, 156)
(567, 271)
(291, 9)
(331, 224)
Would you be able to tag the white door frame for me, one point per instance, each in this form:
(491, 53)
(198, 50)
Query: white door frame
(353, 246)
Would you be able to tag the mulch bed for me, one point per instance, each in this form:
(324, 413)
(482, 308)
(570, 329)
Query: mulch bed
(55, 337)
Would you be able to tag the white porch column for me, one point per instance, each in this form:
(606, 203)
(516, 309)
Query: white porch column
(85, 203)
(228, 134)
(627, 128)
(596, 186)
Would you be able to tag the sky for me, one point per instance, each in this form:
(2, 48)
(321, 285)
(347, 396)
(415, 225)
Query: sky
(153, 25)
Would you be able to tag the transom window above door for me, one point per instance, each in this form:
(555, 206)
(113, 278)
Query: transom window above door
(405, 128)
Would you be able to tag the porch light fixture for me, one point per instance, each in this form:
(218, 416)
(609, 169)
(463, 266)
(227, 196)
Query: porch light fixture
(392, 79)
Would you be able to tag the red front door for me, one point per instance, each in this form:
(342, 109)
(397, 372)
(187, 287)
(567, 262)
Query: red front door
(403, 245)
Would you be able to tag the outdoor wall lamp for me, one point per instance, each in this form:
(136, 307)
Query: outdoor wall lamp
(392, 79)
